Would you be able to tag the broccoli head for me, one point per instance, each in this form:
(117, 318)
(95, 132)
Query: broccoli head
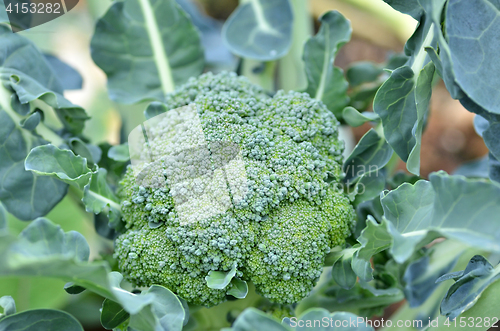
(234, 178)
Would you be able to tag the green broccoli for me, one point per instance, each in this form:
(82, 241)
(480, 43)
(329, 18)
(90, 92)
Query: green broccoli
(276, 224)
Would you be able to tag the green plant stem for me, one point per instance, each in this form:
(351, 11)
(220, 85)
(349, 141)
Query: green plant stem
(41, 129)
(264, 78)
(291, 68)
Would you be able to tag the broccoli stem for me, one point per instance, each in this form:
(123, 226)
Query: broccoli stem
(260, 73)
(291, 71)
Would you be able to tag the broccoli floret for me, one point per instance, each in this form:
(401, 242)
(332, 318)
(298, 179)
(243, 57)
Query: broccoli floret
(247, 180)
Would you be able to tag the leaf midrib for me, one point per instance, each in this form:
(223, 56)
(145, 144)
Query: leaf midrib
(159, 53)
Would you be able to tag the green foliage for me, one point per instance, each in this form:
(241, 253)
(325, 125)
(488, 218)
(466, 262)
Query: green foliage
(134, 30)
(51, 161)
(369, 156)
(284, 244)
(112, 314)
(468, 287)
(219, 279)
(473, 70)
(354, 118)
(324, 81)
(40, 319)
(43, 249)
(260, 30)
(8, 305)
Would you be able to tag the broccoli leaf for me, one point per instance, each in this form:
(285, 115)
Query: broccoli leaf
(260, 30)
(402, 102)
(91, 152)
(44, 250)
(354, 118)
(71, 288)
(462, 295)
(410, 7)
(119, 153)
(476, 168)
(484, 309)
(451, 206)
(253, 319)
(369, 156)
(421, 275)
(40, 319)
(112, 314)
(363, 72)
(474, 48)
(358, 299)
(220, 279)
(239, 288)
(23, 193)
(68, 77)
(8, 305)
(487, 125)
(164, 313)
(146, 48)
(98, 197)
(4, 18)
(369, 186)
(62, 164)
(325, 81)
(342, 271)
(26, 71)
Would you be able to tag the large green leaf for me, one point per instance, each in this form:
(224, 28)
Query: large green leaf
(472, 29)
(44, 250)
(402, 102)
(48, 160)
(146, 48)
(451, 206)
(260, 29)
(469, 286)
(23, 193)
(484, 310)
(326, 82)
(27, 80)
(27, 72)
(40, 319)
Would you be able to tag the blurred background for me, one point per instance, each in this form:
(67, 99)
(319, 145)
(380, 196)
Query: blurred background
(378, 31)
